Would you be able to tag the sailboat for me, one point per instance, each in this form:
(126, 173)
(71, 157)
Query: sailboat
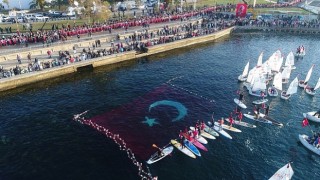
(303, 83)
(275, 61)
(259, 63)
(277, 84)
(290, 61)
(312, 91)
(293, 88)
(284, 173)
(244, 74)
(286, 75)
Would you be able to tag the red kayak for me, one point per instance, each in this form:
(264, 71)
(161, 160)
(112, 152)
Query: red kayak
(195, 142)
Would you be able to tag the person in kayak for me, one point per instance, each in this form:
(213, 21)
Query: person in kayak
(231, 120)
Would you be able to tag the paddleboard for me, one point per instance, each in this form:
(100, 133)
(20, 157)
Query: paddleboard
(260, 101)
(156, 157)
(264, 119)
(227, 127)
(191, 147)
(240, 103)
(183, 150)
(200, 138)
(241, 123)
(204, 134)
(284, 173)
(195, 142)
(219, 130)
(210, 131)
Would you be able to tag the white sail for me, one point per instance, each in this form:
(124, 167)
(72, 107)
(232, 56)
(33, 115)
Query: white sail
(245, 70)
(293, 87)
(317, 85)
(277, 81)
(275, 61)
(286, 73)
(309, 74)
(260, 59)
(289, 60)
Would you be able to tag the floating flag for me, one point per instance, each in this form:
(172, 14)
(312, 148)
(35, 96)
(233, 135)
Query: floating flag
(305, 122)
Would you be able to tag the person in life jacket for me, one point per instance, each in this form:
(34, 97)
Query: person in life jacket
(202, 126)
(221, 122)
(240, 116)
(195, 133)
(181, 139)
(231, 120)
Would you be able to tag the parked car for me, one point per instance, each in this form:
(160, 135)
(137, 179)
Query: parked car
(39, 17)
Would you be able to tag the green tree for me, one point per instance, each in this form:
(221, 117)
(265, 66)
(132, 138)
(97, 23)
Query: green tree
(37, 3)
(95, 10)
(6, 2)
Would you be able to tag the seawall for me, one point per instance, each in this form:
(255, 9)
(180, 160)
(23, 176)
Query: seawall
(33, 77)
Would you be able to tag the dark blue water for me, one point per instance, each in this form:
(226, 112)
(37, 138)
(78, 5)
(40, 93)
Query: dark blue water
(39, 139)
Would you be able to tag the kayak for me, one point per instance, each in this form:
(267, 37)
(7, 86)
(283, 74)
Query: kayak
(210, 131)
(240, 103)
(183, 150)
(195, 142)
(191, 147)
(284, 173)
(204, 134)
(241, 123)
(264, 119)
(260, 101)
(156, 157)
(227, 127)
(220, 131)
(303, 139)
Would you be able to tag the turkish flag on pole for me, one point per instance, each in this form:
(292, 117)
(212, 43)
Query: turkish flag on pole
(241, 10)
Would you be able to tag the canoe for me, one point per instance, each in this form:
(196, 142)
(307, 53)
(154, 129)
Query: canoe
(191, 147)
(183, 150)
(220, 131)
(195, 142)
(303, 139)
(204, 134)
(264, 119)
(227, 127)
(240, 103)
(156, 157)
(284, 173)
(310, 116)
(241, 123)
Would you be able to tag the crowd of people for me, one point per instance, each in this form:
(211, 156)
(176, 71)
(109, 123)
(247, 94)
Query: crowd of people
(138, 41)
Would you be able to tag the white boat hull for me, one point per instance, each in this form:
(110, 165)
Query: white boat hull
(302, 84)
(275, 92)
(310, 116)
(260, 101)
(227, 127)
(241, 123)
(303, 139)
(284, 173)
(285, 96)
(310, 92)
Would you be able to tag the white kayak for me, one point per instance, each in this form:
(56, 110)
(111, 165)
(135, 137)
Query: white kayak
(313, 116)
(240, 103)
(303, 139)
(204, 134)
(260, 101)
(184, 150)
(264, 119)
(210, 131)
(241, 123)
(156, 157)
(284, 173)
(220, 130)
(227, 127)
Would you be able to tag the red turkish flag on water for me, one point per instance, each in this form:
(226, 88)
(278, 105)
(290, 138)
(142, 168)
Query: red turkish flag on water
(154, 118)
(241, 10)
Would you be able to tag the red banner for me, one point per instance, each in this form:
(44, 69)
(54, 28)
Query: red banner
(241, 10)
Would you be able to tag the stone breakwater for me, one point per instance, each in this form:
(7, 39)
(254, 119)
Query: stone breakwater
(29, 78)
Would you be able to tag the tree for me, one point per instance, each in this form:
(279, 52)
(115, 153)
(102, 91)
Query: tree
(6, 2)
(37, 3)
(95, 9)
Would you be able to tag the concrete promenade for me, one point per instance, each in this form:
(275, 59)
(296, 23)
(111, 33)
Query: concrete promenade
(32, 77)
